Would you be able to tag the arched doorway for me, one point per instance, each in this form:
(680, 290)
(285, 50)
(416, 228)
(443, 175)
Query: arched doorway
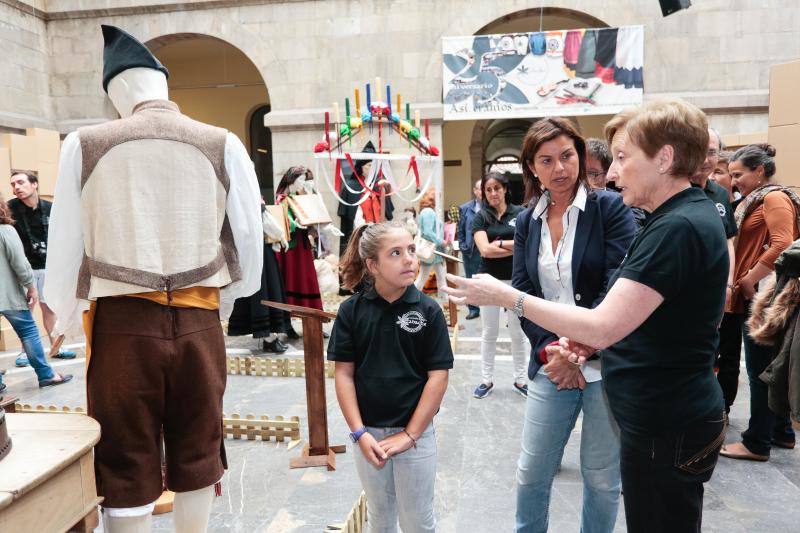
(214, 82)
(471, 147)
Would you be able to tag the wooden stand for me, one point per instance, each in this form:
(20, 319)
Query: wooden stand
(451, 265)
(317, 452)
(47, 481)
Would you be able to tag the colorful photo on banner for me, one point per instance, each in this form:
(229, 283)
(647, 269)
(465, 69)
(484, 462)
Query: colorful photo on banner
(537, 74)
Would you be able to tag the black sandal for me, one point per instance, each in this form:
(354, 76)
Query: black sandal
(52, 381)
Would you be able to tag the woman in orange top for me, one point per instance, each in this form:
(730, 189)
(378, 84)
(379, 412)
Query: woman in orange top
(767, 219)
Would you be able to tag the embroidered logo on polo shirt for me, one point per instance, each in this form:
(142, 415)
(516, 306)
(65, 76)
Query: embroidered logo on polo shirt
(721, 209)
(513, 222)
(412, 321)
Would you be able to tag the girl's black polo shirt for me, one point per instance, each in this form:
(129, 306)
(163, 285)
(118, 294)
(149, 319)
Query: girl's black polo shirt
(393, 346)
(504, 229)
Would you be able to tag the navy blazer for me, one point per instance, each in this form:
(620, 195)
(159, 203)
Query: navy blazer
(605, 231)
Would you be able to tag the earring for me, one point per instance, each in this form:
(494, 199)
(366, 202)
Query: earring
(660, 170)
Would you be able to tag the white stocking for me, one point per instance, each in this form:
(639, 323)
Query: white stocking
(192, 509)
(128, 520)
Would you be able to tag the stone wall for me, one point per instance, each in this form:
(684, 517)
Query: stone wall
(24, 68)
(310, 53)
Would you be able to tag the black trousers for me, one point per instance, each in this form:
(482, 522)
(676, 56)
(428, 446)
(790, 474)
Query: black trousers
(729, 357)
(663, 476)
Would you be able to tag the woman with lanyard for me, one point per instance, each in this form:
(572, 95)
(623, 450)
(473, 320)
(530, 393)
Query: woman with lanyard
(657, 326)
(767, 220)
(567, 246)
(493, 232)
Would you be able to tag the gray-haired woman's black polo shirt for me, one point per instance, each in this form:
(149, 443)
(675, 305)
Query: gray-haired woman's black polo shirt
(394, 346)
(661, 377)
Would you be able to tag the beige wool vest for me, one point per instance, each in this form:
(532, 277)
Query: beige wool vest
(153, 195)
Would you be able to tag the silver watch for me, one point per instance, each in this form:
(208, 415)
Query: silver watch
(518, 309)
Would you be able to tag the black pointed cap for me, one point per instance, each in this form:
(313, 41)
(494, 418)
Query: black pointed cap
(123, 51)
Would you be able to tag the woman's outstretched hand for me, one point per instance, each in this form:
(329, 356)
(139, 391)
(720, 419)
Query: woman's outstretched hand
(481, 289)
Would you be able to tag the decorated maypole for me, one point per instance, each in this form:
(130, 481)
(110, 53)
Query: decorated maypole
(420, 167)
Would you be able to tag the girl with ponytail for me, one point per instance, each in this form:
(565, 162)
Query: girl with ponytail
(392, 354)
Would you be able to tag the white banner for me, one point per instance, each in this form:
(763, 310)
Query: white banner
(537, 74)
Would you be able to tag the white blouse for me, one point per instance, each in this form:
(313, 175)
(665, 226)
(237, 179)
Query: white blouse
(555, 269)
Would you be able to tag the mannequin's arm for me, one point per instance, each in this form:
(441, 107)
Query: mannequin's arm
(244, 215)
(65, 239)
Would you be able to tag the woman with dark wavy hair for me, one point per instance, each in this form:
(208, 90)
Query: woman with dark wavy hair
(767, 219)
(568, 243)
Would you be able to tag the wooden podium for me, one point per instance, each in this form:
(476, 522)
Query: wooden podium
(451, 266)
(317, 452)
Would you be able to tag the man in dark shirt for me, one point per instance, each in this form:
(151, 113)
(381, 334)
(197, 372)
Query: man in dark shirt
(729, 350)
(31, 220)
(716, 193)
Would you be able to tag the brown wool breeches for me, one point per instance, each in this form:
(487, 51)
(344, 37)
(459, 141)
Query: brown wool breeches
(155, 367)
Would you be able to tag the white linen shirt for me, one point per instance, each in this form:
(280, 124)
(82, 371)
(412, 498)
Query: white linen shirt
(65, 238)
(555, 269)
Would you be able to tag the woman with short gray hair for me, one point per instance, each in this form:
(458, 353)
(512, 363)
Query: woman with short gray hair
(658, 373)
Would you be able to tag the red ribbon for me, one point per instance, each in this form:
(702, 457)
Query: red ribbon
(412, 165)
(355, 173)
(338, 182)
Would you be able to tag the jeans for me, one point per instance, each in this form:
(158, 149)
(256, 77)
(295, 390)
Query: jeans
(763, 423)
(402, 488)
(490, 322)
(550, 416)
(27, 331)
(730, 353)
(663, 476)
(472, 262)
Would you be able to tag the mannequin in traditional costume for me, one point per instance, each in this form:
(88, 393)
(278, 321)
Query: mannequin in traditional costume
(156, 229)
(297, 261)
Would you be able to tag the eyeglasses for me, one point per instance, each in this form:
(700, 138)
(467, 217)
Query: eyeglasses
(712, 153)
(594, 174)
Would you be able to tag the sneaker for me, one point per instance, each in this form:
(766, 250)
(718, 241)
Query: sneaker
(522, 389)
(64, 354)
(22, 360)
(483, 390)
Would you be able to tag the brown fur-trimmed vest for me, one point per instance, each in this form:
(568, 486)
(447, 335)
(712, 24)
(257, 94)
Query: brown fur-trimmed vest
(153, 197)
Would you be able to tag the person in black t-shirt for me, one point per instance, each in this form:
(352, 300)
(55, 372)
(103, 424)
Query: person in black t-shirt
(392, 354)
(32, 216)
(657, 326)
(493, 231)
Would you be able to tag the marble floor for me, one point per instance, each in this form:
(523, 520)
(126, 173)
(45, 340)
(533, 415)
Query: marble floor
(478, 444)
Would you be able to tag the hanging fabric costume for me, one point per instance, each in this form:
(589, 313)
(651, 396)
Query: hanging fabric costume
(605, 55)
